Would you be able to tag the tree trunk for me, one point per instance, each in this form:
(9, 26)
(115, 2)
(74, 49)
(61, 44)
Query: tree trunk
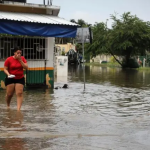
(130, 62)
(115, 58)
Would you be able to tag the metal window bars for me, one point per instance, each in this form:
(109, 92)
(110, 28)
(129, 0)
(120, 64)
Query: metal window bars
(34, 48)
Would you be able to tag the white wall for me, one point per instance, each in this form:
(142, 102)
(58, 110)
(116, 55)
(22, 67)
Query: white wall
(1, 64)
(61, 67)
(50, 42)
(100, 58)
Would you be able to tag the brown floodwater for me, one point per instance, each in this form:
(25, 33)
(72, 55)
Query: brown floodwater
(112, 113)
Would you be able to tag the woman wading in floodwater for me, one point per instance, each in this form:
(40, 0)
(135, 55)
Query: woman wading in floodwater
(13, 68)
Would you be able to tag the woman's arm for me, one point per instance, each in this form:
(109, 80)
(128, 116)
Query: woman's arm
(6, 70)
(24, 65)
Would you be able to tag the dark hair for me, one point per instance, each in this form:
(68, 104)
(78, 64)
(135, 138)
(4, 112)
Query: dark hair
(17, 48)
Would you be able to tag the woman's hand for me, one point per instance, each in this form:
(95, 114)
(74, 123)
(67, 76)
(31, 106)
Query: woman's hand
(24, 65)
(18, 57)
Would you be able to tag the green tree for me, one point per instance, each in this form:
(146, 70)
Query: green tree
(129, 37)
(72, 20)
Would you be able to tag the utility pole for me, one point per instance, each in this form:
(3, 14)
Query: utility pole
(83, 41)
(49, 2)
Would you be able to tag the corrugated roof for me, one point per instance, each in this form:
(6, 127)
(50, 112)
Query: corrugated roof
(35, 18)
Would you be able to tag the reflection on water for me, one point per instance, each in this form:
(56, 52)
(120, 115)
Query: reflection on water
(112, 113)
(114, 76)
(13, 144)
(12, 120)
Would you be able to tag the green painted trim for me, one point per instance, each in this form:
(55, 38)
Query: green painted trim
(33, 77)
(2, 79)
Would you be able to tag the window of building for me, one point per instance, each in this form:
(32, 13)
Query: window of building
(33, 48)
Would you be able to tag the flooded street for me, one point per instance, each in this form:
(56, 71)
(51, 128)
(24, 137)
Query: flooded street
(113, 113)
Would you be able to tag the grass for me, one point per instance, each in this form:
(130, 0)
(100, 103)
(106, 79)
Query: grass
(115, 64)
(103, 64)
(143, 68)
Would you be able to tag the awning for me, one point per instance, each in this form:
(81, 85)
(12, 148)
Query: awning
(36, 25)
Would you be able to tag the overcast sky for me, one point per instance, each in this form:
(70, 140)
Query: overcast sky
(99, 10)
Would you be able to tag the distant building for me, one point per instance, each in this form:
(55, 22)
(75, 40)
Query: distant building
(65, 47)
(104, 58)
(101, 58)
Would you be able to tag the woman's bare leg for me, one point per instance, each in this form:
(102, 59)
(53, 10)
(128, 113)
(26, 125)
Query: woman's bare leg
(19, 94)
(9, 93)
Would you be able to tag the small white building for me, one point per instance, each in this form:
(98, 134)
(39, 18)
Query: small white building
(101, 58)
(33, 27)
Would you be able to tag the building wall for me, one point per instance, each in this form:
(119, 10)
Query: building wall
(10, 6)
(100, 58)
